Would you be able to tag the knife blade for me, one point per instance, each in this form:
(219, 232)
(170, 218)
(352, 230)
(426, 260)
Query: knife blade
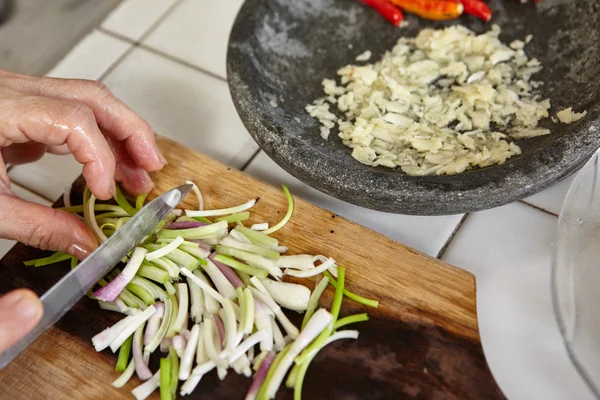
(61, 297)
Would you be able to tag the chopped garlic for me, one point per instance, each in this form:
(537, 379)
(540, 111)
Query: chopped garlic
(567, 116)
(364, 56)
(437, 103)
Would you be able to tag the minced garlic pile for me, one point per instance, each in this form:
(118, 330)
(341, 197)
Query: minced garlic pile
(437, 104)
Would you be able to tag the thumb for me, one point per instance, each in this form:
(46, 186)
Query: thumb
(44, 227)
(20, 311)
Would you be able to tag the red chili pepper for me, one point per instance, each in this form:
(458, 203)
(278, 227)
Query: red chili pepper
(478, 9)
(432, 9)
(387, 10)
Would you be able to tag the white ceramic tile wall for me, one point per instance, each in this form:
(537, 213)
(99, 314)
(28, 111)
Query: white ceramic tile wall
(91, 57)
(184, 104)
(507, 248)
(509, 251)
(427, 234)
(197, 32)
(134, 17)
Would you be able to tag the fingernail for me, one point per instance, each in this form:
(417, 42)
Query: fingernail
(78, 251)
(113, 189)
(27, 308)
(162, 158)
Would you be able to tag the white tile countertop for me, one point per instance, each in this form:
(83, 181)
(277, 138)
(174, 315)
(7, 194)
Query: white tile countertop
(166, 59)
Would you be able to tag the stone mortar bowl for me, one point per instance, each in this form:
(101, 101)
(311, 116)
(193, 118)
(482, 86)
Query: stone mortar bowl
(280, 50)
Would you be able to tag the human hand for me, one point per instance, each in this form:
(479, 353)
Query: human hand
(39, 115)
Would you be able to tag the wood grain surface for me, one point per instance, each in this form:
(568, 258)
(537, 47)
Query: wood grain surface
(421, 343)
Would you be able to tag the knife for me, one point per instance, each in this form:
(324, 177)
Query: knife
(61, 297)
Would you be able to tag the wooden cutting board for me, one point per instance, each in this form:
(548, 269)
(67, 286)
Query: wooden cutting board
(421, 343)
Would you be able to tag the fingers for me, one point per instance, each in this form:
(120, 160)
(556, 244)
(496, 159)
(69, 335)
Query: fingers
(114, 117)
(23, 153)
(135, 179)
(59, 150)
(58, 122)
(20, 311)
(44, 227)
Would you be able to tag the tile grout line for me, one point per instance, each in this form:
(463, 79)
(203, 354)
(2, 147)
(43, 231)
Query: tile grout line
(134, 44)
(247, 163)
(538, 208)
(33, 191)
(452, 235)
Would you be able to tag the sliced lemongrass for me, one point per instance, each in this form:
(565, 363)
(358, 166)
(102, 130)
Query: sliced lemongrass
(168, 265)
(233, 218)
(278, 340)
(177, 212)
(258, 360)
(196, 251)
(260, 376)
(141, 292)
(352, 296)
(240, 237)
(165, 379)
(246, 327)
(351, 319)
(241, 365)
(211, 303)
(303, 262)
(154, 273)
(174, 372)
(201, 356)
(103, 339)
(260, 227)
(206, 288)
(220, 327)
(138, 319)
(250, 248)
(125, 376)
(139, 201)
(320, 320)
(230, 325)
(250, 353)
(313, 302)
(280, 249)
(262, 320)
(312, 272)
(224, 287)
(298, 372)
(105, 305)
(195, 377)
(223, 211)
(239, 266)
(169, 288)
(201, 232)
(198, 195)
(181, 305)
(67, 196)
(97, 207)
(54, 258)
(90, 218)
(110, 215)
(185, 242)
(226, 270)
(162, 330)
(112, 290)
(147, 388)
(150, 286)
(187, 360)
(252, 259)
(122, 201)
(256, 237)
(124, 353)
(288, 295)
(179, 343)
(163, 251)
(209, 331)
(233, 354)
(165, 344)
(221, 373)
(263, 295)
(179, 257)
(262, 393)
(196, 302)
(288, 214)
(141, 368)
(154, 323)
(131, 300)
